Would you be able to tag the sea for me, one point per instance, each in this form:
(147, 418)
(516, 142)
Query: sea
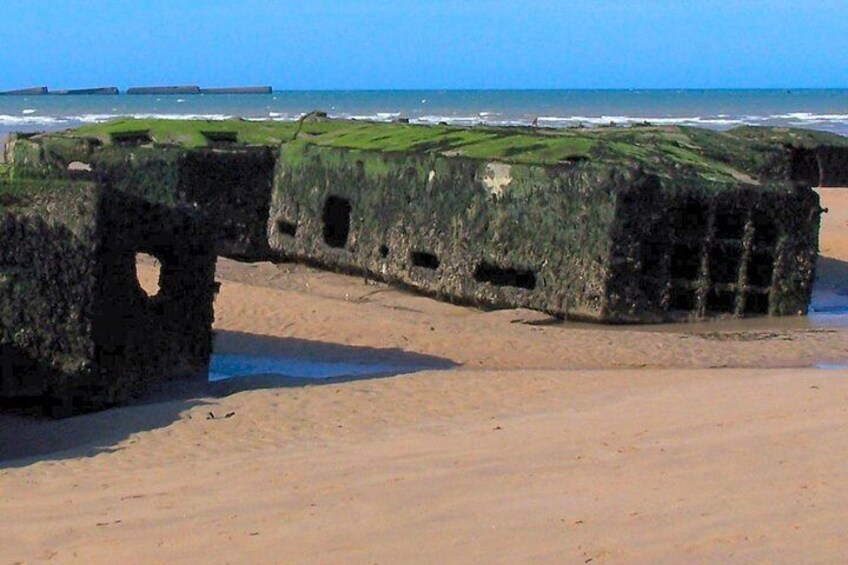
(719, 109)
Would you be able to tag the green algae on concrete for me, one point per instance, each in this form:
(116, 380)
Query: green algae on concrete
(643, 223)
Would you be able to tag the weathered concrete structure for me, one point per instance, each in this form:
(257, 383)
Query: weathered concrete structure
(186, 89)
(34, 91)
(238, 90)
(99, 90)
(613, 225)
(616, 225)
(588, 242)
(77, 332)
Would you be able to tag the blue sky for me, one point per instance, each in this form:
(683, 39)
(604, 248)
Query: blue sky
(404, 44)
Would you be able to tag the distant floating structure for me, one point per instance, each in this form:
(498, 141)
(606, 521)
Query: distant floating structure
(34, 91)
(164, 90)
(238, 90)
(110, 90)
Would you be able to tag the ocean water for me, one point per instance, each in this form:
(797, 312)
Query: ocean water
(719, 109)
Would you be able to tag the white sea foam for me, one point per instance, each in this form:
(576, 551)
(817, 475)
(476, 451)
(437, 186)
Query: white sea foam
(30, 121)
(31, 118)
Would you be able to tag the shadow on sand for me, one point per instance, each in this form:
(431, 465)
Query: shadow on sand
(283, 362)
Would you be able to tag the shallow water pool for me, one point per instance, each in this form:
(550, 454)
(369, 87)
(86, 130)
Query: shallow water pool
(233, 365)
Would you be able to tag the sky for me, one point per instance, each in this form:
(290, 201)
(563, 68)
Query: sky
(425, 44)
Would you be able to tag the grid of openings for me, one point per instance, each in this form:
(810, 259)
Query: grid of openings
(709, 257)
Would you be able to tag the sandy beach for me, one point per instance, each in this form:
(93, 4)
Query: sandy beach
(497, 437)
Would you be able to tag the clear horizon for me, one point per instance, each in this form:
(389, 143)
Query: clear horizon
(436, 45)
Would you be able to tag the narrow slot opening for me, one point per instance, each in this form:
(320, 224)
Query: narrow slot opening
(760, 269)
(384, 251)
(336, 219)
(285, 227)
(220, 137)
(686, 262)
(131, 138)
(424, 259)
(724, 264)
(499, 276)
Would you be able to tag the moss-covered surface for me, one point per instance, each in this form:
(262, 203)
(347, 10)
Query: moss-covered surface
(47, 277)
(746, 155)
(572, 240)
(549, 219)
(436, 224)
(76, 331)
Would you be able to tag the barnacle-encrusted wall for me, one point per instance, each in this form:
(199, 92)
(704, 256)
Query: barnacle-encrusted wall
(610, 224)
(579, 240)
(77, 332)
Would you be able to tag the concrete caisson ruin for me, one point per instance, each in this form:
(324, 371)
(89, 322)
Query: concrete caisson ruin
(77, 331)
(617, 225)
(592, 242)
(613, 224)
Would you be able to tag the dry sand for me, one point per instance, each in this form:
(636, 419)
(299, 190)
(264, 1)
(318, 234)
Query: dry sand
(524, 442)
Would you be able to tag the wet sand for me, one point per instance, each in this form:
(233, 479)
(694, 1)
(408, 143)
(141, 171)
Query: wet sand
(519, 441)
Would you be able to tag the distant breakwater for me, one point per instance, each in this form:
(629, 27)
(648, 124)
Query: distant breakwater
(159, 90)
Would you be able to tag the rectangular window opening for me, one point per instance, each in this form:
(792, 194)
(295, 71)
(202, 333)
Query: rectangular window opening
(652, 252)
(499, 276)
(285, 227)
(424, 260)
(765, 230)
(760, 269)
(336, 219)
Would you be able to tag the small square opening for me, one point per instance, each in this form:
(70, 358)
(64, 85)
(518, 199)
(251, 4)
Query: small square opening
(756, 303)
(686, 261)
(723, 301)
(690, 219)
(683, 299)
(724, 262)
(729, 223)
(284, 227)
